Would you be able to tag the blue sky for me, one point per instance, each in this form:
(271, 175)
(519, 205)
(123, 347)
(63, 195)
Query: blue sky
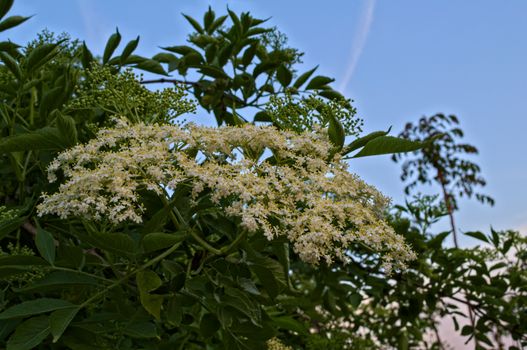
(399, 60)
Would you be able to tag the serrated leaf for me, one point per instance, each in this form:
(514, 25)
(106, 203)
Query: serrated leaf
(284, 75)
(388, 145)
(319, 82)
(34, 307)
(160, 240)
(118, 243)
(304, 77)
(111, 45)
(45, 245)
(128, 49)
(59, 320)
(11, 22)
(29, 334)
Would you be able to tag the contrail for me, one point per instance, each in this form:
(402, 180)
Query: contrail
(359, 40)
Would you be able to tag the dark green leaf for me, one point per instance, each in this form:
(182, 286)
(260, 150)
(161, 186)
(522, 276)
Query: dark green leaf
(35, 307)
(59, 320)
(41, 55)
(45, 245)
(119, 243)
(209, 325)
(29, 334)
(214, 72)
(59, 280)
(151, 66)
(262, 116)
(11, 64)
(336, 132)
(182, 50)
(148, 281)
(111, 45)
(304, 77)
(8, 226)
(477, 235)
(159, 240)
(87, 57)
(194, 23)
(67, 128)
(388, 145)
(141, 330)
(128, 49)
(289, 323)
(5, 6)
(11, 22)
(284, 75)
(360, 142)
(43, 139)
(208, 19)
(319, 82)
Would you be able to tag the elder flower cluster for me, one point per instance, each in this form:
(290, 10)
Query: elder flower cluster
(297, 191)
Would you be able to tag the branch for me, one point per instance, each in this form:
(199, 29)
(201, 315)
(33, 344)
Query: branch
(173, 81)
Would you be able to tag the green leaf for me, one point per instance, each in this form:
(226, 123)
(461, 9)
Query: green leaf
(128, 49)
(41, 55)
(67, 128)
(336, 132)
(304, 77)
(148, 281)
(182, 50)
(151, 66)
(43, 139)
(194, 23)
(45, 245)
(319, 82)
(208, 19)
(35, 307)
(8, 226)
(214, 72)
(332, 95)
(59, 280)
(11, 22)
(87, 57)
(477, 235)
(111, 45)
(159, 240)
(284, 75)
(5, 6)
(289, 323)
(11, 64)
(29, 334)
(8, 326)
(360, 142)
(236, 21)
(388, 145)
(217, 23)
(249, 53)
(59, 320)
(141, 330)
(262, 116)
(118, 243)
(209, 325)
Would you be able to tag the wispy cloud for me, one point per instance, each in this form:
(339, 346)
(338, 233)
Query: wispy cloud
(359, 41)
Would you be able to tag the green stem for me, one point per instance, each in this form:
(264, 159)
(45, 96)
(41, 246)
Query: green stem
(131, 273)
